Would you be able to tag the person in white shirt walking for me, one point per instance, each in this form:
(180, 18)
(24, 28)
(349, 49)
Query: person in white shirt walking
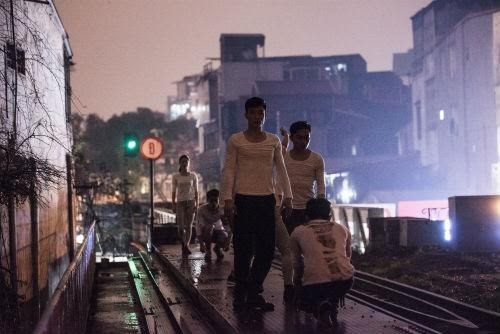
(306, 171)
(184, 201)
(323, 272)
(248, 192)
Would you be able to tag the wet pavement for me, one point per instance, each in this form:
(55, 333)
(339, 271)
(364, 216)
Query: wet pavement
(113, 308)
(207, 281)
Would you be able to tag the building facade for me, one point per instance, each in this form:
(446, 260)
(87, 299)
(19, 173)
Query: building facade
(36, 217)
(335, 94)
(455, 105)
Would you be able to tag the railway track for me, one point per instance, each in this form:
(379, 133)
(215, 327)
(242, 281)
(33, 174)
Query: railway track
(431, 312)
(167, 308)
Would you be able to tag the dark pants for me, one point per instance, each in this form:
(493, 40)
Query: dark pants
(314, 294)
(254, 237)
(296, 218)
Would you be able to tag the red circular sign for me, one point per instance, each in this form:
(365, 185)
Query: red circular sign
(151, 147)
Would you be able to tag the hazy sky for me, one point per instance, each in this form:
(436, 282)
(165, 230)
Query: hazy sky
(129, 52)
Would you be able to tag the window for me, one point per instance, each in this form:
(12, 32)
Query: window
(418, 115)
(210, 141)
(452, 61)
(341, 67)
(12, 61)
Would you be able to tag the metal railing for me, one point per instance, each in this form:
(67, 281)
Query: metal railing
(164, 217)
(69, 306)
(356, 218)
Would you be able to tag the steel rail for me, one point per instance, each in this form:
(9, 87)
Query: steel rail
(484, 319)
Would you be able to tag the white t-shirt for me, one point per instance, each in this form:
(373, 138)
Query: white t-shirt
(303, 175)
(248, 167)
(208, 217)
(319, 250)
(185, 185)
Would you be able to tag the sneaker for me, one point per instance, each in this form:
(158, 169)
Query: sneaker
(239, 300)
(258, 302)
(219, 253)
(288, 295)
(231, 278)
(324, 311)
(185, 250)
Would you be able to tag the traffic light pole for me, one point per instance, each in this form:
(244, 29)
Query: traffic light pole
(152, 205)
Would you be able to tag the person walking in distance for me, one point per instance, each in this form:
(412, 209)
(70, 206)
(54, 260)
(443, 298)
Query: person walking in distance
(184, 201)
(248, 192)
(306, 171)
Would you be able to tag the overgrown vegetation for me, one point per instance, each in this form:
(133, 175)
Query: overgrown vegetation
(99, 154)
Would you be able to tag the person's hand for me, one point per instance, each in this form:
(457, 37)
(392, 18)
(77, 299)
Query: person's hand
(283, 132)
(229, 211)
(287, 206)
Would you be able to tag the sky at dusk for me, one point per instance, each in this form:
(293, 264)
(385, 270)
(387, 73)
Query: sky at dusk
(128, 53)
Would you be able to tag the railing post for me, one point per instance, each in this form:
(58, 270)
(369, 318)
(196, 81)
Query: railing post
(71, 226)
(33, 200)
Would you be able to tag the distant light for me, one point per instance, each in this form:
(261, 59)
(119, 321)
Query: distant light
(441, 115)
(447, 230)
(354, 150)
(346, 194)
(79, 238)
(328, 68)
(447, 225)
(341, 67)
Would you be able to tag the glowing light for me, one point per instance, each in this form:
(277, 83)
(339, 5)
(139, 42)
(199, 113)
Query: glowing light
(447, 230)
(131, 144)
(79, 238)
(441, 115)
(346, 194)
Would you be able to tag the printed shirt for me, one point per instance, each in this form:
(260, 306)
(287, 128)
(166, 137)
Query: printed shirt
(185, 185)
(319, 249)
(206, 216)
(304, 175)
(248, 167)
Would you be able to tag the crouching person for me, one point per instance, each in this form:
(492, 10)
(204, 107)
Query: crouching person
(323, 272)
(210, 228)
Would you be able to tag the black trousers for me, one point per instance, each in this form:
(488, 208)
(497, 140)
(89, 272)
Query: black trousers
(253, 238)
(314, 294)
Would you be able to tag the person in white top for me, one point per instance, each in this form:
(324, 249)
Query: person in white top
(306, 171)
(323, 272)
(210, 228)
(184, 201)
(248, 193)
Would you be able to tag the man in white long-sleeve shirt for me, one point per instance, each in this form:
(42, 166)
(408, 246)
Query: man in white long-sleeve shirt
(306, 170)
(249, 202)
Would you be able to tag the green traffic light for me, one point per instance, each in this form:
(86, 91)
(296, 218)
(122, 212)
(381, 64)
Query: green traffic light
(131, 144)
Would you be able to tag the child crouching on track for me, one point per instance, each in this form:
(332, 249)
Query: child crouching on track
(210, 228)
(323, 272)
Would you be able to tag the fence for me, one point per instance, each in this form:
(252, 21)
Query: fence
(356, 218)
(164, 217)
(68, 308)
